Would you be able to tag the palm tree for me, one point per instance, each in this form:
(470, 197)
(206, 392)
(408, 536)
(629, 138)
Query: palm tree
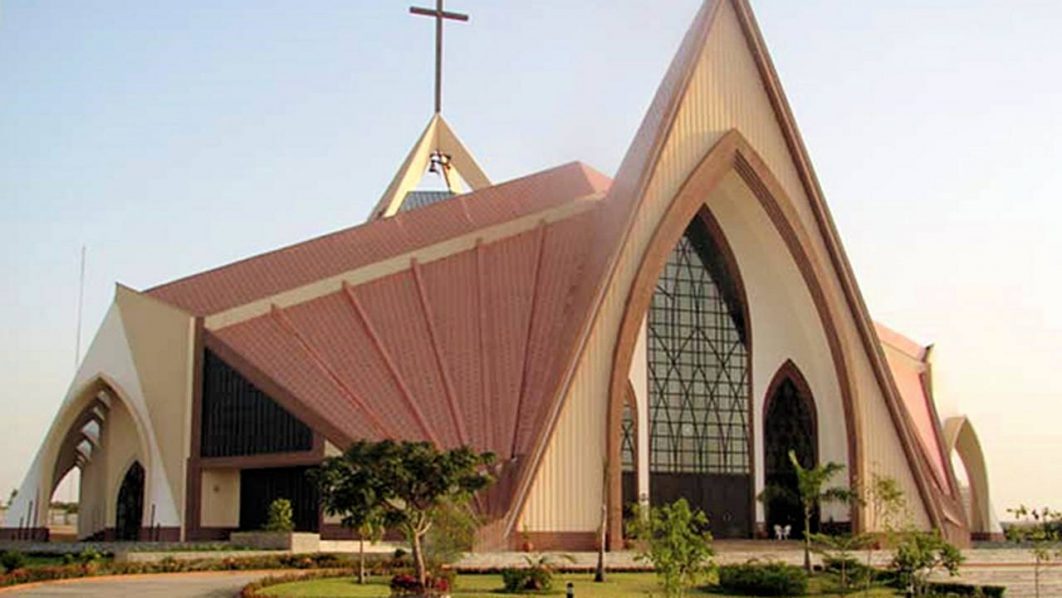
(814, 491)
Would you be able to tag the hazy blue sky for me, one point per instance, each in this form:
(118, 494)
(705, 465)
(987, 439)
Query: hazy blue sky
(174, 136)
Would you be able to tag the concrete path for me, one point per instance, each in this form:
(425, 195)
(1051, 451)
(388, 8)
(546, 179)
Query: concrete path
(175, 585)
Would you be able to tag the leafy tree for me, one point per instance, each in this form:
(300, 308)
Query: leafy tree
(1041, 530)
(677, 543)
(404, 483)
(919, 555)
(814, 490)
(280, 516)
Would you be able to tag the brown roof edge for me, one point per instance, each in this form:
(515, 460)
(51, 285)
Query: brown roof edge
(644, 152)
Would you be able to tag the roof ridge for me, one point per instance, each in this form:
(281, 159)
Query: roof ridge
(399, 217)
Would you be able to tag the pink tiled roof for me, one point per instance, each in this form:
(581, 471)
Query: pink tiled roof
(463, 350)
(909, 372)
(244, 281)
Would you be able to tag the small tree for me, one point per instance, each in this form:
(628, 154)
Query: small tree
(841, 548)
(813, 487)
(1041, 531)
(405, 483)
(888, 506)
(919, 555)
(279, 518)
(453, 532)
(371, 528)
(677, 543)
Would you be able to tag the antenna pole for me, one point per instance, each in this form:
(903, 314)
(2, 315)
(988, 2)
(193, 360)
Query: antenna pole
(80, 301)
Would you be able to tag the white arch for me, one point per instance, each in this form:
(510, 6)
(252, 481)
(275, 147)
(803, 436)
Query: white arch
(108, 364)
(960, 438)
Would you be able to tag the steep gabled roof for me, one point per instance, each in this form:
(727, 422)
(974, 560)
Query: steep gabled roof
(907, 363)
(264, 275)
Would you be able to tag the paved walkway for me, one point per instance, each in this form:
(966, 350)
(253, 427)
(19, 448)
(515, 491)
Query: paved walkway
(177, 585)
(997, 567)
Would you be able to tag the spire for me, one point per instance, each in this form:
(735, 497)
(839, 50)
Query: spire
(437, 151)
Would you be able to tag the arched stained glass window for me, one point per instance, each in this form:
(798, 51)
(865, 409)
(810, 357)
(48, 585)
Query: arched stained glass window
(628, 440)
(698, 364)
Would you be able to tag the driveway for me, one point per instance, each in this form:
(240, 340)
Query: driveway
(223, 584)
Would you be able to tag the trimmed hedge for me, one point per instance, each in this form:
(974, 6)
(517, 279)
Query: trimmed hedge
(763, 579)
(254, 589)
(91, 568)
(965, 589)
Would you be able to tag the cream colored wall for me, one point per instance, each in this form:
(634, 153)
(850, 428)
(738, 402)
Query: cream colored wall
(220, 496)
(726, 92)
(120, 449)
(102, 476)
(92, 503)
(784, 323)
(107, 363)
(162, 342)
(639, 379)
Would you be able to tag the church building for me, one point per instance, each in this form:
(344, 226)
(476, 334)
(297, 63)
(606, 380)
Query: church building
(673, 331)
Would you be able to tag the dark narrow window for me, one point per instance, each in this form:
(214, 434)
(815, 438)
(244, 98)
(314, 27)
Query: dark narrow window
(239, 419)
(129, 512)
(699, 386)
(628, 441)
(789, 425)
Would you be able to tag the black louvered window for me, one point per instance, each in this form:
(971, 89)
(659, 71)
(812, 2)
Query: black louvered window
(239, 419)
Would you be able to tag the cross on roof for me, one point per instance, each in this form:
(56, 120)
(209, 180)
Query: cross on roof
(439, 14)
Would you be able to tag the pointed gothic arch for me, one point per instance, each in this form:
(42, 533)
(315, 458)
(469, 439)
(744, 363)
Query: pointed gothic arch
(790, 423)
(700, 406)
(129, 504)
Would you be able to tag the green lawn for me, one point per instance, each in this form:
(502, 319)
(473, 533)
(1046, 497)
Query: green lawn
(619, 585)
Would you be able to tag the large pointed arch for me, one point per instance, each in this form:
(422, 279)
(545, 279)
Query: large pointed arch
(732, 153)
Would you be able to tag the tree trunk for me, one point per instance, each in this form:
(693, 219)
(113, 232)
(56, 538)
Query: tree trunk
(807, 540)
(361, 559)
(599, 573)
(418, 557)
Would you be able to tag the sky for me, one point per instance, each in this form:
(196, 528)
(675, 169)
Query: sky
(170, 137)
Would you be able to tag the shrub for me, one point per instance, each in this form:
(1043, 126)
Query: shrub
(518, 580)
(853, 568)
(537, 576)
(408, 585)
(677, 543)
(764, 579)
(919, 555)
(280, 516)
(965, 589)
(12, 561)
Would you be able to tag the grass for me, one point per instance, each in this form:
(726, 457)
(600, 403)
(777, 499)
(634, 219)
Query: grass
(619, 585)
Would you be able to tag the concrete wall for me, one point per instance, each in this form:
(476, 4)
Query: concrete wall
(220, 496)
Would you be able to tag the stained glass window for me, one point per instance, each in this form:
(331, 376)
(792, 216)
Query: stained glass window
(698, 364)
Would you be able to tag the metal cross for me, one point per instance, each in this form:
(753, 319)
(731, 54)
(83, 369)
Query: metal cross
(438, 14)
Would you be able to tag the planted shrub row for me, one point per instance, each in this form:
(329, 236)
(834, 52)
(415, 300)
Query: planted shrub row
(91, 565)
(763, 579)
